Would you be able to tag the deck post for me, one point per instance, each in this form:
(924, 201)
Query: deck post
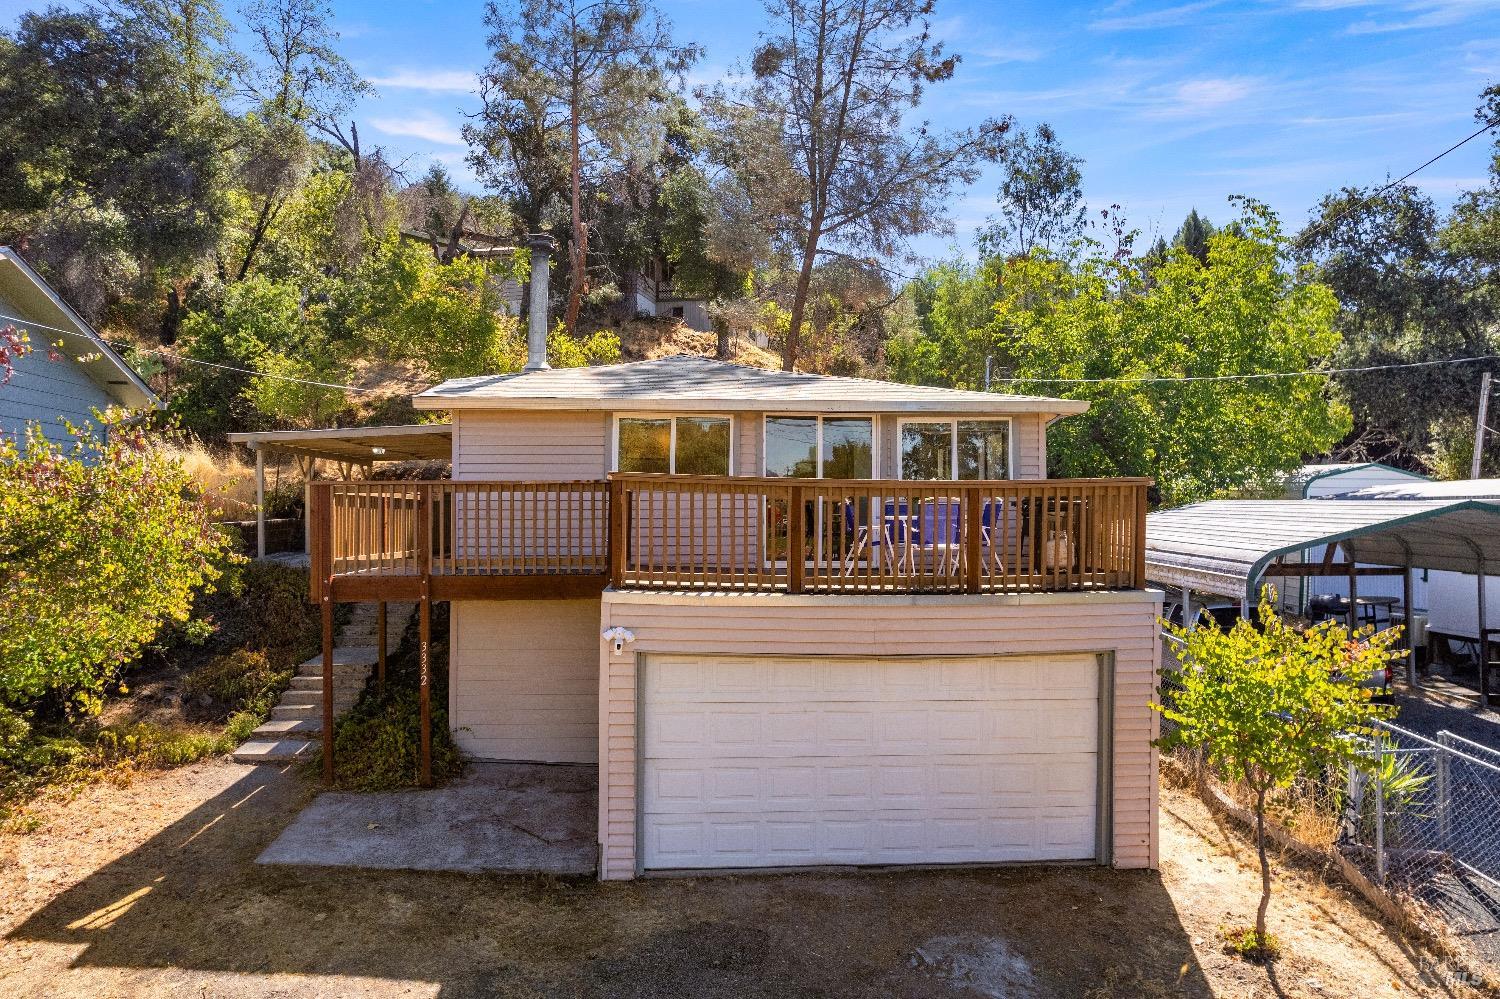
(424, 664)
(328, 682)
(380, 646)
(260, 502)
(424, 632)
(1139, 553)
(618, 534)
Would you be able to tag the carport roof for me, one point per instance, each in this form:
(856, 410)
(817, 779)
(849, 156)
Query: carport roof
(1225, 546)
(361, 445)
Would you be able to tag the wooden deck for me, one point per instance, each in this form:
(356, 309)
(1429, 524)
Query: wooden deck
(379, 541)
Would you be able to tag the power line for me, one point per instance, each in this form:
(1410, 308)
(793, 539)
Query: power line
(1399, 180)
(1322, 372)
(179, 357)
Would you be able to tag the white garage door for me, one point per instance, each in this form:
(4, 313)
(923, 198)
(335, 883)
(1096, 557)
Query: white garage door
(774, 762)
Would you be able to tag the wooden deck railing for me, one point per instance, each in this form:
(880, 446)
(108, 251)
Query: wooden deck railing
(876, 536)
(451, 540)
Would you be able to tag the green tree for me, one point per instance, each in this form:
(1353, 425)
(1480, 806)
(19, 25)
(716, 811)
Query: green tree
(102, 543)
(595, 70)
(1041, 197)
(821, 137)
(111, 164)
(1406, 297)
(1269, 704)
(1245, 312)
(1193, 235)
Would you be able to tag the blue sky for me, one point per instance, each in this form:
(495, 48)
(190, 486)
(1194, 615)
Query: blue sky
(1172, 105)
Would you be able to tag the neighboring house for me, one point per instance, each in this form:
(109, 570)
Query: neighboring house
(83, 374)
(794, 619)
(1320, 481)
(652, 292)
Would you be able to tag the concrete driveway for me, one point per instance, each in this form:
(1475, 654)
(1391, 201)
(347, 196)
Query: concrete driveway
(510, 817)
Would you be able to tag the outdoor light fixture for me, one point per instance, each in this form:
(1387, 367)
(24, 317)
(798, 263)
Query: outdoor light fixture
(618, 637)
(377, 450)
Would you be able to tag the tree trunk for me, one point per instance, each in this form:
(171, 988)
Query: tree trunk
(1265, 866)
(578, 247)
(268, 213)
(799, 297)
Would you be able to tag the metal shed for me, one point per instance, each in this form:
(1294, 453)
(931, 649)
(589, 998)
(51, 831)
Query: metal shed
(1230, 547)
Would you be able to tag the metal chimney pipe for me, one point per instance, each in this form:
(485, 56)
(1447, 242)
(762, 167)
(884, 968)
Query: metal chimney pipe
(541, 246)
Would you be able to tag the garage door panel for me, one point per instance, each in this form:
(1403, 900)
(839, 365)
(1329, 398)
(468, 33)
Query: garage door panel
(770, 679)
(726, 786)
(768, 761)
(832, 730)
(775, 840)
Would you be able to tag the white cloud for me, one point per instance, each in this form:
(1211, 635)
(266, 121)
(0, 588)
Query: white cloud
(446, 81)
(1387, 16)
(1162, 17)
(424, 125)
(1194, 97)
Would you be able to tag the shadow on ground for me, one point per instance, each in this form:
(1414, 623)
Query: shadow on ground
(193, 899)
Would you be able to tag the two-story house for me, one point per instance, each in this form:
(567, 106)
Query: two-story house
(794, 619)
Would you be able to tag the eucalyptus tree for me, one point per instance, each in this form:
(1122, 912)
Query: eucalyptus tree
(576, 81)
(820, 133)
(1041, 197)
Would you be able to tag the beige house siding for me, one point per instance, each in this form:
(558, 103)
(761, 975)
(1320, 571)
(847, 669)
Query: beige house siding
(524, 680)
(1121, 625)
(521, 446)
(551, 445)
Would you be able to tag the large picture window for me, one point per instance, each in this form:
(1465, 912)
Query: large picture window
(955, 449)
(820, 447)
(686, 445)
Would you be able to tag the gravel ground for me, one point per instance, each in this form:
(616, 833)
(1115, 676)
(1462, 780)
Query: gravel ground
(151, 889)
(1437, 703)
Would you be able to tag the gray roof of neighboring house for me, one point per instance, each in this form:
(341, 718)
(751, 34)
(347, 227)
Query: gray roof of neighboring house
(1223, 546)
(30, 294)
(700, 384)
(1427, 489)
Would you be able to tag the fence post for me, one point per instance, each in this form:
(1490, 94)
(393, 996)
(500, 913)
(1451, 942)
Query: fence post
(1444, 793)
(1380, 815)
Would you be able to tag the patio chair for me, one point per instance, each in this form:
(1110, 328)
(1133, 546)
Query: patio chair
(940, 533)
(994, 531)
(895, 526)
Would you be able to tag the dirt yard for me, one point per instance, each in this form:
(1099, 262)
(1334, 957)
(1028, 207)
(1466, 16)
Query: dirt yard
(151, 889)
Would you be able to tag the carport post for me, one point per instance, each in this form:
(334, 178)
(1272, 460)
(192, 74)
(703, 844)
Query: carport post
(1484, 642)
(1353, 589)
(260, 502)
(1411, 643)
(1189, 619)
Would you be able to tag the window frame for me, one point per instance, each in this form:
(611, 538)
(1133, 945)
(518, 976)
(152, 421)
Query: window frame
(672, 418)
(874, 419)
(953, 422)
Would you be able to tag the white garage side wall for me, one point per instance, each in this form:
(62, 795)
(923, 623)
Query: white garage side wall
(524, 680)
(1120, 625)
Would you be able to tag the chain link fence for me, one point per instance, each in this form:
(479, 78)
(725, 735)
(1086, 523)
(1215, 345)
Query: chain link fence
(1421, 819)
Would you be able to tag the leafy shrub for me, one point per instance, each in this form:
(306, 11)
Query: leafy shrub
(243, 680)
(156, 746)
(263, 607)
(378, 745)
(102, 544)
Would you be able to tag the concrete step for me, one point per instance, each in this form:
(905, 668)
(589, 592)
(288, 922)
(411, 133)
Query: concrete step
(281, 728)
(344, 656)
(294, 711)
(341, 683)
(274, 750)
(306, 696)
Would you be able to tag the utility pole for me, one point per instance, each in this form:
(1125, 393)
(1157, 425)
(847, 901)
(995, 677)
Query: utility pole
(1479, 424)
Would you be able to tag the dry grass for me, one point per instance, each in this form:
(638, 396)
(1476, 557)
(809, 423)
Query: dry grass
(221, 473)
(647, 340)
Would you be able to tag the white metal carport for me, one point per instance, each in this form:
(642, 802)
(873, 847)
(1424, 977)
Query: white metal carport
(1231, 546)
